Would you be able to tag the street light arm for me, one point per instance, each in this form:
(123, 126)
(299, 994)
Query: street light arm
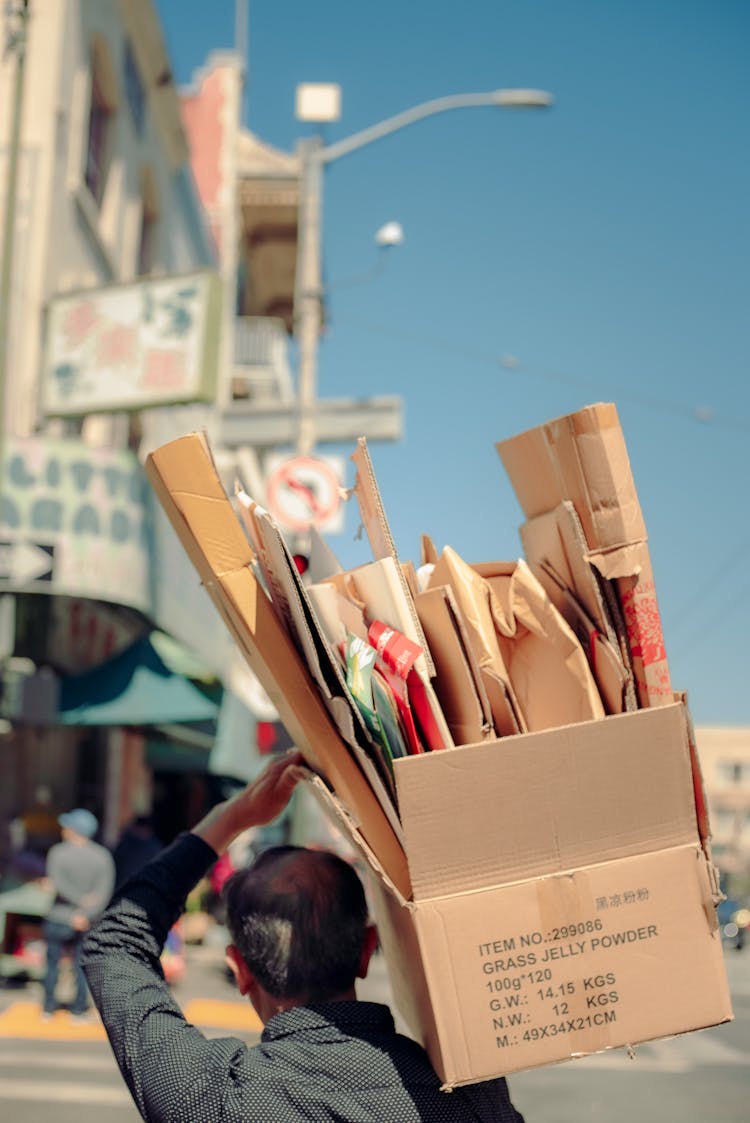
(314, 157)
(510, 99)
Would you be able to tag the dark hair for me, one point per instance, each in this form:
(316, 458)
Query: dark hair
(298, 919)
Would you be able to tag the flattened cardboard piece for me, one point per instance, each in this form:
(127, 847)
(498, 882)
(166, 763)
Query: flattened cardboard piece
(555, 550)
(428, 552)
(614, 680)
(185, 480)
(458, 683)
(541, 803)
(595, 958)
(637, 595)
(545, 553)
(472, 597)
(581, 457)
(379, 586)
(585, 582)
(538, 646)
(634, 595)
(326, 602)
(322, 560)
(410, 576)
(290, 597)
(372, 513)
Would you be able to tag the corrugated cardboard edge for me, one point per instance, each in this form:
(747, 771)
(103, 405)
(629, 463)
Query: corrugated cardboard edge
(379, 535)
(186, 482)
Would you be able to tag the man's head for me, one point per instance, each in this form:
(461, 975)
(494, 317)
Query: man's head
(298, 919)
(79, 824)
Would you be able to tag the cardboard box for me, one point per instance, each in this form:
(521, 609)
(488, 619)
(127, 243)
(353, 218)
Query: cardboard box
(542, 896)
(562, 900)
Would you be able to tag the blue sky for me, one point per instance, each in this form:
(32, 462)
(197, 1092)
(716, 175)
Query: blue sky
(603, 243)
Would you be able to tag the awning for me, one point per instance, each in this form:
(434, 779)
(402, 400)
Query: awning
(134, 688)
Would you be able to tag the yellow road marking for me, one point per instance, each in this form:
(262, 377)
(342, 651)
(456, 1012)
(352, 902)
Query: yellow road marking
(223, 1015)
(24, 1020)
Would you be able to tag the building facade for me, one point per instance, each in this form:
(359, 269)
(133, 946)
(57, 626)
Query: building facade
(149, 261)
(98, 200)
(724, 753)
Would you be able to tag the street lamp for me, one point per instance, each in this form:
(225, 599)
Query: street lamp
(314, 156)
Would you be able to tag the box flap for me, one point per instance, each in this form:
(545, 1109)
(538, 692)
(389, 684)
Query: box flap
(185, 480)
(539, 803)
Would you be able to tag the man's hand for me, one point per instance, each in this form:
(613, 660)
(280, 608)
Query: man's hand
(80, 922)
(260, 802)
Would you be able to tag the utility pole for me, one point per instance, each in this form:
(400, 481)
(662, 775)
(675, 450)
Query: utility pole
(16, 45)
(319, 102)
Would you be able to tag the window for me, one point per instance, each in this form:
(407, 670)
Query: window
(134, 90)
(149, 221)
(733, 772)
(102, 112)
(723, 820)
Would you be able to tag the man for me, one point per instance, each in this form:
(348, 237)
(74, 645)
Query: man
(81, 874)
(300, 939)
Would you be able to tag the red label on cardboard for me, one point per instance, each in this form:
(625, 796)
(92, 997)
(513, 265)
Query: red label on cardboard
(397, 650)
(643, 624)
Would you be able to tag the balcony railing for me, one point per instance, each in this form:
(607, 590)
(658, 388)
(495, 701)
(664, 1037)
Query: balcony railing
(261, 361)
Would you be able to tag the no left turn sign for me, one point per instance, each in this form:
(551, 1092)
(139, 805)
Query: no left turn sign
(305, 491)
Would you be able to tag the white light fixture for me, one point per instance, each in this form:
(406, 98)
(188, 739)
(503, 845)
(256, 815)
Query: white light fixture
(391, 234)
(318, 101)
(522, 99)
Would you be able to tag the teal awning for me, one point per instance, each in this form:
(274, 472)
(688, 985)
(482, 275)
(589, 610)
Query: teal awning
(134, 688)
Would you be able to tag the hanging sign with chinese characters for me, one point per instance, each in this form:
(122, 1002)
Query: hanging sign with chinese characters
(129, 347)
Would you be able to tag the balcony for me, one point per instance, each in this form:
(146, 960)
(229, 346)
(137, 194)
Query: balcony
(263, 412)
(261, 372)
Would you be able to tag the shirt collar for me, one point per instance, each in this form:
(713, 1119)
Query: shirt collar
(357, 1018)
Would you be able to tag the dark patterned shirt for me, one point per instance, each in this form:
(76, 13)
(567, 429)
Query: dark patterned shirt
(339, 1062)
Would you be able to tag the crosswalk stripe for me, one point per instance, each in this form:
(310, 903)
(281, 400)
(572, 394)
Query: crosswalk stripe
(74, 1093)
(16, 1058)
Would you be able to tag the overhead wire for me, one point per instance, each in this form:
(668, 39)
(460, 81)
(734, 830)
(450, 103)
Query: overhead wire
(701, 414)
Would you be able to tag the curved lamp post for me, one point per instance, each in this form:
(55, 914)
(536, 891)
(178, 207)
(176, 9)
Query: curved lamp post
(314, 156)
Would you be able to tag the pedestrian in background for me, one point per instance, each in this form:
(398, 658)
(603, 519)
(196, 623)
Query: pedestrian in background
(81, 874)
